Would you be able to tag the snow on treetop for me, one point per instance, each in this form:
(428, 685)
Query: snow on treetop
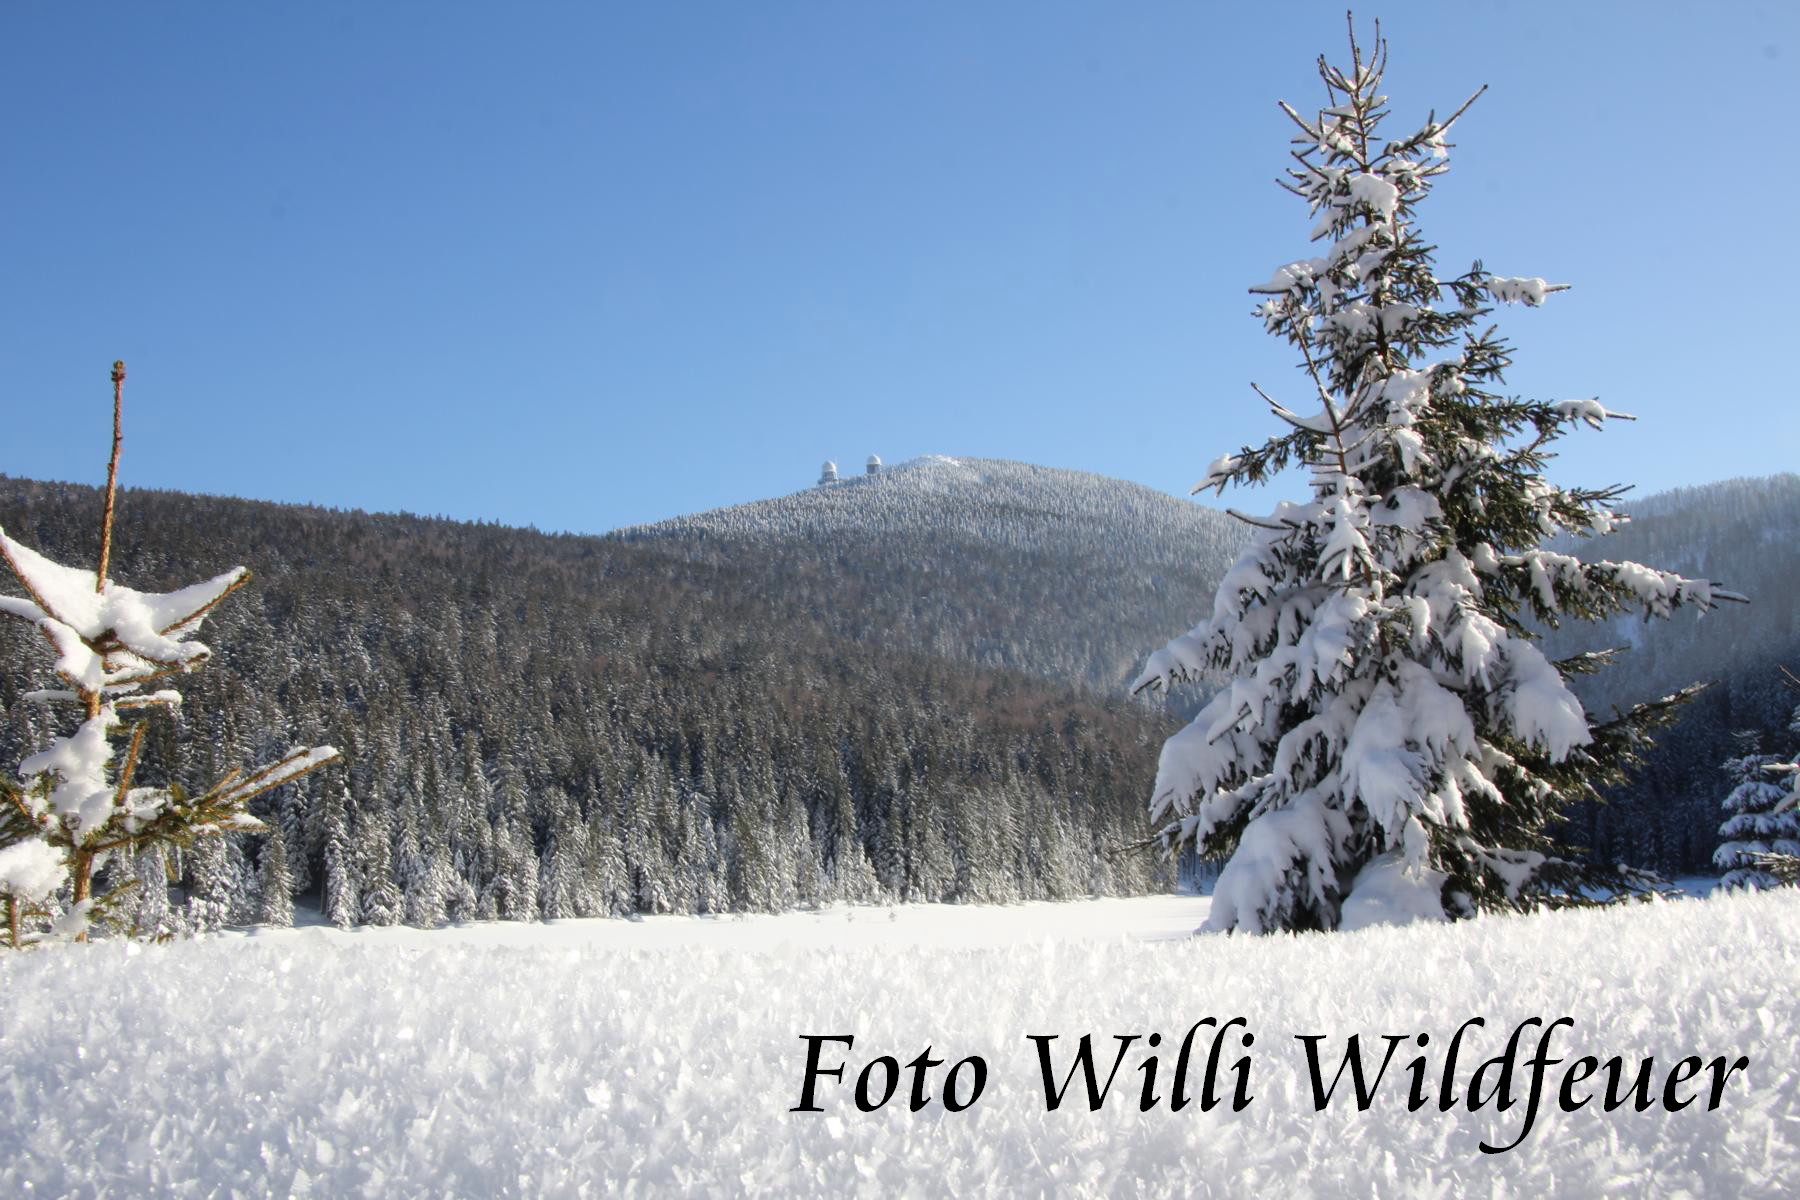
(1378, 193)
(112, 636)
(68, 594)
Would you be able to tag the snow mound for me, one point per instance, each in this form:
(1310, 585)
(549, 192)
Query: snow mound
(591, 1058)
(1387, 892)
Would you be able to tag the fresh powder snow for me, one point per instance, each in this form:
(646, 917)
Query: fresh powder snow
(591, 1058)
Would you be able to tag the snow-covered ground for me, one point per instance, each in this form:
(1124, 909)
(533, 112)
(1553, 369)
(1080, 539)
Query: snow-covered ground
(602, 1057)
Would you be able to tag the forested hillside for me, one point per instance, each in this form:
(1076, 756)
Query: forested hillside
(897, 686)
(1060, 573)
(558, 725)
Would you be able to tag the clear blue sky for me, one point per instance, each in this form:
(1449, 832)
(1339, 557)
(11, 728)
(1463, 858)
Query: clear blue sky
(583, 265)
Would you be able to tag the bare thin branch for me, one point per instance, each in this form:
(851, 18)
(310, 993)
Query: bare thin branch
(112, 476)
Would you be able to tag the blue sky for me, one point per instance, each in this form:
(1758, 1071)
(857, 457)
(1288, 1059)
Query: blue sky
(585, 265)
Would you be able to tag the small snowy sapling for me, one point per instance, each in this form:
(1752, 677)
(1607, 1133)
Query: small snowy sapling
(75, 804)
(1391, 743)
(1759, 840)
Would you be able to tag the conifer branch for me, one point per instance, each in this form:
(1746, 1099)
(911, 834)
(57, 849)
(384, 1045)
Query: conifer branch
(129, 770)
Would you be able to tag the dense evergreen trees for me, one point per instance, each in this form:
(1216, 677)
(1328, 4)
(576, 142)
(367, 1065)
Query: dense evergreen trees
(354, 615)
(1666, 816)
(1059, 573)
(560, 726)
(1760, 824)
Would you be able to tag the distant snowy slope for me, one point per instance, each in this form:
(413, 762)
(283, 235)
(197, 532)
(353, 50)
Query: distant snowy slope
(560, 1060)
(1062, 573)
(990, 501)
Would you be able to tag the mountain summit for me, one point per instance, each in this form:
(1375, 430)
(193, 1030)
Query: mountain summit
(1060, 573)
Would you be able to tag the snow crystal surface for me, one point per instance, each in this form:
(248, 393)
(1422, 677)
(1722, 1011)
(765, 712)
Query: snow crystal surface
(598, 1058)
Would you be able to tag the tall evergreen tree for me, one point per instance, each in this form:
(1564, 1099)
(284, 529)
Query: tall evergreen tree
(342, 901)
(150, 914)
(607, 873)
(382, 903)
(759, 880)
(275, 899)
(219, 885)
(1391, 743)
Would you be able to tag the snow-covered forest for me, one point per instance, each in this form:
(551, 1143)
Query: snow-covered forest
(1739, 531)
(1064, 574)
(542, 726)
(472, 652)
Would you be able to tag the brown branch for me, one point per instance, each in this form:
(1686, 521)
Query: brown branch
(17, 797)
(239, 582)
(1461, 110)
(159, 700)
(1278, 528)
(235, 791)
(131, 761)
(112, 477)
(1297, 119)
(32, 593)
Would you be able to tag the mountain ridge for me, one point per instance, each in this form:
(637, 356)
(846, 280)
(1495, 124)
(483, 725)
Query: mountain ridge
(997, 594)
(1065, 573)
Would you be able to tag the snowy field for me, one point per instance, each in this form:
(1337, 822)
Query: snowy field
(661, 1056)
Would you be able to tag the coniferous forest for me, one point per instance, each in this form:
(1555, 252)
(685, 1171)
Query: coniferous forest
(557, 726)
(813, 698)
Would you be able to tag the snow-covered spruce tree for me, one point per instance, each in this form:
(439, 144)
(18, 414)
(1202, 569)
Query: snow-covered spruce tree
(1761, 827)
(75, 804)
(1391, 744)
(275, 893)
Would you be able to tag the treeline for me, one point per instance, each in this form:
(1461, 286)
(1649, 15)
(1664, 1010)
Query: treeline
(549, 726)
(850, 692)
